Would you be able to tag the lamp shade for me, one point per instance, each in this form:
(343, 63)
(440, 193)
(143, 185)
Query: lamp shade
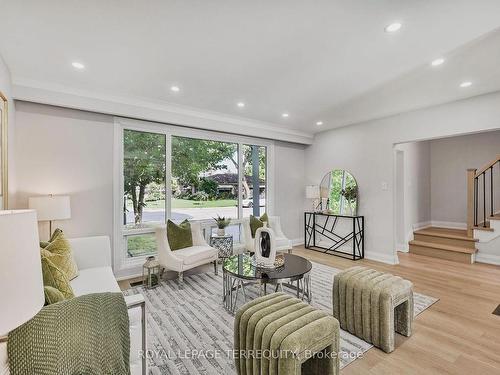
(21, 281)
(51, 207)
(312, 191)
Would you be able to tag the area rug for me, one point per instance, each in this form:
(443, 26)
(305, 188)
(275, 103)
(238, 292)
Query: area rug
(190, 332)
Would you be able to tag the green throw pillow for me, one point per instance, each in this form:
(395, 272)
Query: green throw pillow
(179, 236)
(52, 295)
(256, 223)
(58, 250)
(54, 277)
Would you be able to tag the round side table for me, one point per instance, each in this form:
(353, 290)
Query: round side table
(222, 243)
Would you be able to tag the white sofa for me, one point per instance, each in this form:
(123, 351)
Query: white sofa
(282, 243)
(184, 259)
(93, 257)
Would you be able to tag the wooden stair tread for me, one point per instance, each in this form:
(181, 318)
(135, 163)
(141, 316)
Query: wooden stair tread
(443, 247)
(495, 217)
(456, 234)
(488, 229)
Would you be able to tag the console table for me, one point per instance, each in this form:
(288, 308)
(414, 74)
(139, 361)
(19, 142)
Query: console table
(332, 234)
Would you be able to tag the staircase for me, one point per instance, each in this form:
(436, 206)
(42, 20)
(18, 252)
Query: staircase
(483, 223)
(443, 243)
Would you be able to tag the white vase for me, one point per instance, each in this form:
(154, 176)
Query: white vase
(221, 232)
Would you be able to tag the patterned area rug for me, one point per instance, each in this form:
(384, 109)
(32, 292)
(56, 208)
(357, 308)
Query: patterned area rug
(190, 332)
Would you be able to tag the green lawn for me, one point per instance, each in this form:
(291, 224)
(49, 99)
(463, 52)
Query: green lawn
(186, 203)
(144, 244)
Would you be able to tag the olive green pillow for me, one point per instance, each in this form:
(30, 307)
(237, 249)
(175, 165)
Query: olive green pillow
(54, 277)
(52, 295)
(256, 223)
(58, 250)
(179, 236)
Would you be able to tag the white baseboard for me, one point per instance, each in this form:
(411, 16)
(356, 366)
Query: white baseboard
(297, 241)
(488, 258)
(421, 225)
(403, 247)
(381, 257)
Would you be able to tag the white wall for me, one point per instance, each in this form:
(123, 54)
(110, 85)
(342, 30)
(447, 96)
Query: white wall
(290, 188)
(64, 151)
(367, 151)
(6, 89)
(450, 159)
(417, 188)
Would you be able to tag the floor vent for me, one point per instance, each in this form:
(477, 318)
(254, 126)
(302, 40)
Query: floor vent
(137, 283)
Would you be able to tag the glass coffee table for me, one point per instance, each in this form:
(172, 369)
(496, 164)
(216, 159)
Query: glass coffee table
(238, 271)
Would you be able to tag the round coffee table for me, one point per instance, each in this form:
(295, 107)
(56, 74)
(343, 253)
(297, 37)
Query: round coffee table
(239, 271)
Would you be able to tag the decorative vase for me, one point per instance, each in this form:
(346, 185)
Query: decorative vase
(265, 247)
(221, 232)
(265, 244)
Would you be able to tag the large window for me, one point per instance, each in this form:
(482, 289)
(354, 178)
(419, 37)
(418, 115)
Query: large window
(144, 199)
(253, 187)
(172, 173)
(204, 179)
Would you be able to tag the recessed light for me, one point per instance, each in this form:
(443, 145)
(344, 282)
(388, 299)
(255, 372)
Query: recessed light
(284, 115)
(241, 105)
(393, 27)
(175, 89)
(466, 84)
(437, 62)
(319, 123)
(78, 65)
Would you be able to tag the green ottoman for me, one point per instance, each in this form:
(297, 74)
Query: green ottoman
(280, 334)
(372, 305)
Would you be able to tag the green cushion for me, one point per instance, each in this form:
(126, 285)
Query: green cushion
(256, 223)
(52, 295)
(179, 236)
(54, 277)
(58, 250)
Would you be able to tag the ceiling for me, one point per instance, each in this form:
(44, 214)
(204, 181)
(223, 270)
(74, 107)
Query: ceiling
(328, 61)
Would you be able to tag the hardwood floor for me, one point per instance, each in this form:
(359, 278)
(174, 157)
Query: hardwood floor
(457, 335)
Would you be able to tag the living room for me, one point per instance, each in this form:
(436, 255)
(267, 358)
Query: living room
(257, 152)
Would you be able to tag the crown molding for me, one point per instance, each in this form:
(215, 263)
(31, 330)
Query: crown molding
(151, 110)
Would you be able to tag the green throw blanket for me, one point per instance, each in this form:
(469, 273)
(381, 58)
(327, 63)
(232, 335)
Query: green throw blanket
(83, 335)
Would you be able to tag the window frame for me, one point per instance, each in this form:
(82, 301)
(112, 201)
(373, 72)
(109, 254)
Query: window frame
(125, 266)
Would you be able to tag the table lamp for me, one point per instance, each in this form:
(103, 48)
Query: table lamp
(20, 270)
(312, 192)
(50, 208)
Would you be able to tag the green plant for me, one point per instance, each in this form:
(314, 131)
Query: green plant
(209, 186)
(350, 193)
(222, 222)
(200, 196)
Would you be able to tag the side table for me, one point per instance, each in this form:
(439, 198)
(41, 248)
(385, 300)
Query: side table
(222, 243)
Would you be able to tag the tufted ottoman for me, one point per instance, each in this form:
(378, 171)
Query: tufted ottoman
(372, 305)
(280, 334)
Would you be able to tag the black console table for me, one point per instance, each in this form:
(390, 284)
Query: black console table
(326, 225)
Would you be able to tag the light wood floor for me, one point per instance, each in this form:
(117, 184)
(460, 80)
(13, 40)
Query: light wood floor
(457, 335)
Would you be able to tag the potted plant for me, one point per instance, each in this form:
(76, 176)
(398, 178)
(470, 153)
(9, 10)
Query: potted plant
(222, 223)
(350, 194)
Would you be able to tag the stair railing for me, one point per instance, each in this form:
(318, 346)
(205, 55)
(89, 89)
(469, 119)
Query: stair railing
(478, 197)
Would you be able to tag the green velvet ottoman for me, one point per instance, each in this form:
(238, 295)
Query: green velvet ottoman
(280, 334)
(372, 305)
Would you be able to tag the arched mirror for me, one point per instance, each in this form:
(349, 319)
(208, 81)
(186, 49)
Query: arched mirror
(339, 193)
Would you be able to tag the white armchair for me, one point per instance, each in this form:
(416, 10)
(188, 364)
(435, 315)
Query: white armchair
(282, 243)
(184, 259)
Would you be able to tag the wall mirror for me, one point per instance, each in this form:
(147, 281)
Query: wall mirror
(339, 193)
(3, 152)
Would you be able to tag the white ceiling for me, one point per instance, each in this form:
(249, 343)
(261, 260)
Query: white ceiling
(322, 60)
